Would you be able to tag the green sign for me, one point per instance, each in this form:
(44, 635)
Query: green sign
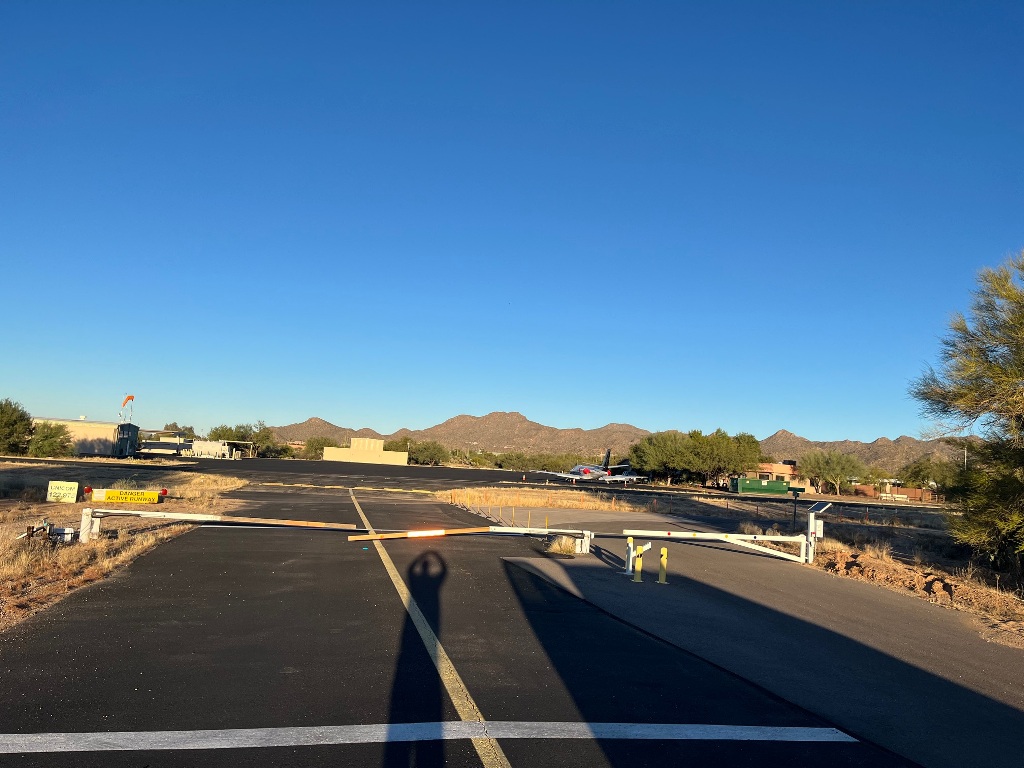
(795, 489)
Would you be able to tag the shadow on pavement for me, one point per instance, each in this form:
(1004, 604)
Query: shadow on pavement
(417, 695)
(819, 674)
(605, 555)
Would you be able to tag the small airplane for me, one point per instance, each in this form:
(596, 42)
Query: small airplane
(603, 473)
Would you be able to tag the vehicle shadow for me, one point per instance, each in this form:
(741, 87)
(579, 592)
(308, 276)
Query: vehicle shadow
(898, 711)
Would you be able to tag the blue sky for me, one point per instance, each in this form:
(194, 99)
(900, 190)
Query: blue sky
(677, 215)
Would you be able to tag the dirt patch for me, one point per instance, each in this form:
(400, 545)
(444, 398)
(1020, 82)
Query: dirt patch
(35, 573)
(1000, 613)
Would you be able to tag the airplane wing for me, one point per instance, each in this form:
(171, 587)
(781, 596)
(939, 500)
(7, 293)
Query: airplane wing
(563, 475)
(623, 479)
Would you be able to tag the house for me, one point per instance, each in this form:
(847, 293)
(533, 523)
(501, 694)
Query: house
(785, 471)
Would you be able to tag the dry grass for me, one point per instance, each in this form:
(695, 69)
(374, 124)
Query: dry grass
(501, 498)
(881, 550)
(561, 545)
(966, 588)
(35, 573)
(826, 546)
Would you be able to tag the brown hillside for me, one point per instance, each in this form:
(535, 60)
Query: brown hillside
(501, 432)
(498, 432)
(884, 453)
(315, 427)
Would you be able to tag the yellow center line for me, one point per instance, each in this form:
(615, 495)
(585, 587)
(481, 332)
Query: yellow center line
(488, 749)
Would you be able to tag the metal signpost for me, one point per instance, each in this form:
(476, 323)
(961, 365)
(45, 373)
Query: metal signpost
(796, 491)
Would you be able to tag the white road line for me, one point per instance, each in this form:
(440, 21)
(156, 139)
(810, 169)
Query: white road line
(247, 738)
(486, 747)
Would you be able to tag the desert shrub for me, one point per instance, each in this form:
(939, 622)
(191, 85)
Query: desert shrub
(10, 487)
(429, 452)
(314, 448)
(33, 493)
(15, 428)
(50, 441)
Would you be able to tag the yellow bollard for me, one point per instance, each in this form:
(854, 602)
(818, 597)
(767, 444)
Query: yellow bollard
(638, 571)
(545, 522)
(513, 517)
(529, 516)
(663, 570)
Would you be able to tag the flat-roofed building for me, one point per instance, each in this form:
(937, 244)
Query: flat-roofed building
(100, 438)
(774, 471)
(366, 450)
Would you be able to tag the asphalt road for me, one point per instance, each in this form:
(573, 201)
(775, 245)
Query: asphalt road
(344, 473)
(226, 637)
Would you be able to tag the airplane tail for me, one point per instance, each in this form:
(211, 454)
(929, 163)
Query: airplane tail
(607, 459)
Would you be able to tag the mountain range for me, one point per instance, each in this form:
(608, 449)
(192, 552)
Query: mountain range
(501, 432)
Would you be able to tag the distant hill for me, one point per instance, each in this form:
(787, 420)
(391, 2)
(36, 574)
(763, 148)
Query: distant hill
(501, 432)
(498, 432)
(315, 427)
(884, 453)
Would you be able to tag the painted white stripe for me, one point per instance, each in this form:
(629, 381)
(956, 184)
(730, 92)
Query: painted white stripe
(247, 738)
(489, 751)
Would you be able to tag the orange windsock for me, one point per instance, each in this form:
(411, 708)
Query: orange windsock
(130, 397)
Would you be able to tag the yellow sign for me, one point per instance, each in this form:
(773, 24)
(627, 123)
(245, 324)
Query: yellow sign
(126, 496)
(60, 491)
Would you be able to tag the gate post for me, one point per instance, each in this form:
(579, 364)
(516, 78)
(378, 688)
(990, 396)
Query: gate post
(85, 532)
(811, 534)
(629, 556)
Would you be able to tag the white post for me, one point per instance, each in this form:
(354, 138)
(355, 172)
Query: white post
(629, 556)
(85, 532)
(812, 531)
(583, 543)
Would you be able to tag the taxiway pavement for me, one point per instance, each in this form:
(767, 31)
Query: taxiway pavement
(228, 638)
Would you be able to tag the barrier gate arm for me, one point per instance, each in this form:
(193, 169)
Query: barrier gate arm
(492, 529)
(91, 520)
(740, 539)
